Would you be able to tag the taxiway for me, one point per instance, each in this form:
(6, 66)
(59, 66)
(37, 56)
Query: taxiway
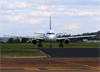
(44, 64)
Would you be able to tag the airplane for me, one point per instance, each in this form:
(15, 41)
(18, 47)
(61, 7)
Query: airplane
(51, 37)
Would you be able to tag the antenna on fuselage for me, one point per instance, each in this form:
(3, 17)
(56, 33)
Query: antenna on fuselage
(50, 22)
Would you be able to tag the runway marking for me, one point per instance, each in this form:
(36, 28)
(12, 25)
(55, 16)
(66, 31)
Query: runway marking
(90, 67)
(12, 69)
(31, 69)
(93, 68)
(62, 69)
(34, 69)
(87, 66)
(50, 69)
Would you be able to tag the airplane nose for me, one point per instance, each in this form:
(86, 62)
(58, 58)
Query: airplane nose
(51, 38)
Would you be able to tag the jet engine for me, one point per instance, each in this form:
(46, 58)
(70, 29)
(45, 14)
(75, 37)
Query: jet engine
(66, 41)
(34, 42)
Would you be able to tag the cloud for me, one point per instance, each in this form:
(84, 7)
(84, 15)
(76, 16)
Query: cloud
(71, 12)
(34, 20)
(84, 13)
(43, 7)
(44, 26)
(13, 5)
(11, 17)
(41, 13)
(73, 27)
(52, 1)
(67, 7)
(38, 1)
(65, 10)
(44, 1)
(41, 31)
(10, 11)
(65, 2)
(98, 18)
(94, 0)
(32, 14)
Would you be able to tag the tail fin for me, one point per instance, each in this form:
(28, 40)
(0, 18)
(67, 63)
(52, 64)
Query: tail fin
(50, 22)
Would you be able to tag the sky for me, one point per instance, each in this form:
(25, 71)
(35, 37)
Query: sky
(26, 17)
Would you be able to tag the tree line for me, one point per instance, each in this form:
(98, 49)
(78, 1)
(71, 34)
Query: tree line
(17, 40)
(24, 40)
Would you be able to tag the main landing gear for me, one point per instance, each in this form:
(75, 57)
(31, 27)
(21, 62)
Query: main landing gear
(39, 45)
(50, 46)
(60, 45)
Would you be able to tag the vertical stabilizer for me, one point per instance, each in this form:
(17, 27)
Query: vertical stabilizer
(50, 22)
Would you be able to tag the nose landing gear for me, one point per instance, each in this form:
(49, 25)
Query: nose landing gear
(50, 46)
(60, 45)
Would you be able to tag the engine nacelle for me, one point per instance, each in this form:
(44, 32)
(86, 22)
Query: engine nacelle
(66, 41)
(34, 42)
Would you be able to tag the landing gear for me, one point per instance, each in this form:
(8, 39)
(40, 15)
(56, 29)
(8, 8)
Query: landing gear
(50, 46)
(61, 45)
(40, 45)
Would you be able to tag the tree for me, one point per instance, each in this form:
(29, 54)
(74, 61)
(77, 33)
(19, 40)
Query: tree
(23, 40)
(10, 40)
(17, 40)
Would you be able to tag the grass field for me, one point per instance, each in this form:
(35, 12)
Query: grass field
(5, 51)
(46, 45)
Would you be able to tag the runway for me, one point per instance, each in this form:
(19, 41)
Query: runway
(67, 52)
(44, 64)
(70, 52)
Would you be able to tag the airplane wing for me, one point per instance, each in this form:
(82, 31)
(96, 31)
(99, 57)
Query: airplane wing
(28, 37)
(39, 37)
(61, 33)
(62, 38)
(10, 36)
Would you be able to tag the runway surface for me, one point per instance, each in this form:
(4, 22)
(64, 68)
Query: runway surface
(44, 64)
(71, 52)
(68, 52)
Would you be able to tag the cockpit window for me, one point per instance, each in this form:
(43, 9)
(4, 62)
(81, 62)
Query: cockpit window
(50, 33)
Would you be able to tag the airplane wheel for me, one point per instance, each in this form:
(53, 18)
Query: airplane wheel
(39, 45)
(50, 46)
(60, 45)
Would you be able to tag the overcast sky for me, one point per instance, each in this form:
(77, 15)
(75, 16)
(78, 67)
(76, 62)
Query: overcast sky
(24, 17)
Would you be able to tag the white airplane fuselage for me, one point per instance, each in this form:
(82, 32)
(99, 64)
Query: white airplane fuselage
(50, 36)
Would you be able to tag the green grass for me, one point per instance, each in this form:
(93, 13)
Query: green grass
(20, 52)
(46, 45)
(5, 51)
